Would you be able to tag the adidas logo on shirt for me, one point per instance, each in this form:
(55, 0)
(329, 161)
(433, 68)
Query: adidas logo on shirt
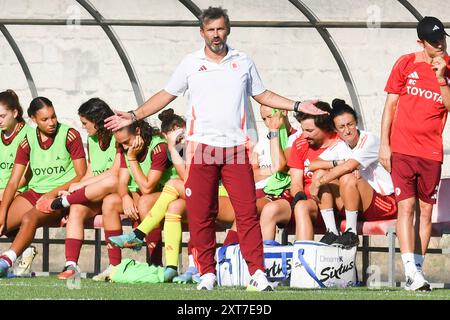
(202, 68)
(413, 75)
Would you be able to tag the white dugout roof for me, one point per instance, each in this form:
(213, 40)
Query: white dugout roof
(124, 51)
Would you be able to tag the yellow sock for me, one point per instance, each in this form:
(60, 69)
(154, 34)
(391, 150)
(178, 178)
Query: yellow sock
(156, 213)
(172, 238)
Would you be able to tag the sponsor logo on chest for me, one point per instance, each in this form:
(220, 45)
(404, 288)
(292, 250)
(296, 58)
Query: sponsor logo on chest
(49, 170)
(411, 89)
(6, 165)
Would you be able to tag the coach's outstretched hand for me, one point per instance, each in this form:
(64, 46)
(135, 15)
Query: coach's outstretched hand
(308, 106)
(118, 121)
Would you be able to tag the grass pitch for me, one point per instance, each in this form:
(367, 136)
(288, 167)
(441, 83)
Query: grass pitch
(50, 288)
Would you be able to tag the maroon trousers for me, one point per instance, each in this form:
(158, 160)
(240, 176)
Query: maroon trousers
(206, 165)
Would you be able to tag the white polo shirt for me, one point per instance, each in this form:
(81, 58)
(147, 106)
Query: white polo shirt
(218, 96)
(366, 153)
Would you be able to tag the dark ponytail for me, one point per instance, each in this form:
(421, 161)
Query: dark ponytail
(10, 100)
(169, 120)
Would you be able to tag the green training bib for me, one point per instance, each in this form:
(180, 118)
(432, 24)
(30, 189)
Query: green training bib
(8, 155)
(101, 160)
(53, 167)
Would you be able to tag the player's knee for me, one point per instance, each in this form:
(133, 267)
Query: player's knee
(172, 183)
(301, 211)
(406, 208)
(426, 211)
(111, 202)
(347, 180)
(77, 213)
(145, 203)
(269, 212)
(111, 182)
(176, 207)
(300, 207)
(29, 219)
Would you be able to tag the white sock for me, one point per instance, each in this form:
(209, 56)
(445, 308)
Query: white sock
(328, 218)
(418, 260)
(191, 261)
(11, 255)
(409, 263)
(64, 202)
(352, 219)
(70, 263)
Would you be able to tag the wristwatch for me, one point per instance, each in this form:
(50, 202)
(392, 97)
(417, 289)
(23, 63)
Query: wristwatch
(272, 134)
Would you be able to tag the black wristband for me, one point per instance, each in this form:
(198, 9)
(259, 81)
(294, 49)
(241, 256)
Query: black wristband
(296, 105)
(298, 196)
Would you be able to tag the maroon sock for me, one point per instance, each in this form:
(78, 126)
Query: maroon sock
(78, 197)
(114, 253)
(7, 259)
(231, 238)
(73, 248)
(154, 246)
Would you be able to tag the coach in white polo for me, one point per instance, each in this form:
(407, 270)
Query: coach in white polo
(218, 96)
(218, 81)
